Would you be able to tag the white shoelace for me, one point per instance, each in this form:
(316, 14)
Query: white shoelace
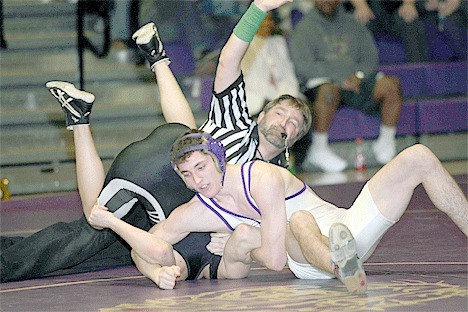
(59, 94)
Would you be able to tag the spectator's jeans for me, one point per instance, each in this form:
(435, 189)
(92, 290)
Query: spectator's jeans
(74, 246)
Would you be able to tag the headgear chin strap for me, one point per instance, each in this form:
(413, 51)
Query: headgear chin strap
(212, 145)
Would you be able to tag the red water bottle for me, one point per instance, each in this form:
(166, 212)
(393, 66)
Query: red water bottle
(360, 158)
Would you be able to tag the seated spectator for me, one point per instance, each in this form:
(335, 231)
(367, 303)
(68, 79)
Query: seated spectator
(267, 67)
(450, 17)
(336, 59)
(400, 18)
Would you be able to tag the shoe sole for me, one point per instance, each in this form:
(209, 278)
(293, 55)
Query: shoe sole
(145, 34)
(343, 254)
(72, 91)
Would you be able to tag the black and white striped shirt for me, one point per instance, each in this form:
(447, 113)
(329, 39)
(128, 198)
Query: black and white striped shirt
(230, 122)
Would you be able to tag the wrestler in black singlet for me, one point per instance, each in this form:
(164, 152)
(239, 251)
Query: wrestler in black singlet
(142, 171)
(140, 176)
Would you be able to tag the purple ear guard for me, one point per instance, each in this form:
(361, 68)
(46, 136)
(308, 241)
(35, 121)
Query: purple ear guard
(213, 145)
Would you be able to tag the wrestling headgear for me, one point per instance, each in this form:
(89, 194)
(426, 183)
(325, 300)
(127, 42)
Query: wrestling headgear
(201, 141)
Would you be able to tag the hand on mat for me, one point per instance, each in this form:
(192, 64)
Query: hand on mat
(99, 217)
(168, 276)
(217, 243)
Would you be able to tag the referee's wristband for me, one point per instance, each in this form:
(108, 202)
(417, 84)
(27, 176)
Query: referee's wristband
(249, 23)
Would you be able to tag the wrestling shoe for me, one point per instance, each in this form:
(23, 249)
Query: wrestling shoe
(75, 103)
(148, 41)
(348, 267)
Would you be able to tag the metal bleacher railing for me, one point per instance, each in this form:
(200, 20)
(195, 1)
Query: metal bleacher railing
(103, 9)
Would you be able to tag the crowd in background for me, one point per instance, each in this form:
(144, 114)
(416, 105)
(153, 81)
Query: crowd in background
(334, 65)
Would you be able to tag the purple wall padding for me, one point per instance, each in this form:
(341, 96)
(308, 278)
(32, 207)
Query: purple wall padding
(182, 57)
(446, 79)
(446, 115)
(349, 123)
(206, 93)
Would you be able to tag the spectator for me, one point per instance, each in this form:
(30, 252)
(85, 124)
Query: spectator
(336, 64)
(450, 17)
(267, 66)
(404, 20)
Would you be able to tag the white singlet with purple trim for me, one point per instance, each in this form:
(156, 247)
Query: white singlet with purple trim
(364, 220)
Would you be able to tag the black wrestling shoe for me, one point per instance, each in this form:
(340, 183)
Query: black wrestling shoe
(75, 103)
(148, 41)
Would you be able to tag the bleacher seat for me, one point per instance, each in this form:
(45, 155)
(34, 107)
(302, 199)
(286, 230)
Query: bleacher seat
(412, 77)
(444, 79)
(391, 49)
(183, 60)
(349, 124)
(442, 116)
(430, 79)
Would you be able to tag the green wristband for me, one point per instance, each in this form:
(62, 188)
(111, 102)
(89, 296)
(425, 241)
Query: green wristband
(249, 23)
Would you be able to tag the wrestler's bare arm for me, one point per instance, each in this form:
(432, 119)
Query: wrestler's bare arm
(190, 217)
(151, 248)
(163, 276)
(268, 190)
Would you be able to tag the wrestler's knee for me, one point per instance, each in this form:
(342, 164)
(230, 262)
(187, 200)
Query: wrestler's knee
(388, 86)
(419, 158)
(329, 92)
(302, 222)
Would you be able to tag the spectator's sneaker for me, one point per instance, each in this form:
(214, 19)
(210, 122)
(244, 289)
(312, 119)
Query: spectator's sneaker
(75, 103)
(148, 41)
(384, 151)
(348, 267)
(325, 159)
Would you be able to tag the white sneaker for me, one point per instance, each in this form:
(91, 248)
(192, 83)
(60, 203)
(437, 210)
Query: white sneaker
(325, 159)
(384, 151)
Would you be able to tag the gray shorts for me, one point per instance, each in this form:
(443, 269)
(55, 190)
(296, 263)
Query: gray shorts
(363, 101)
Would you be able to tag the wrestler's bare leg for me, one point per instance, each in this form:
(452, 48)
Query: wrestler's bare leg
(89, 168)
(392, 187)
(305, 243)
(77, 105)
(174, 105)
